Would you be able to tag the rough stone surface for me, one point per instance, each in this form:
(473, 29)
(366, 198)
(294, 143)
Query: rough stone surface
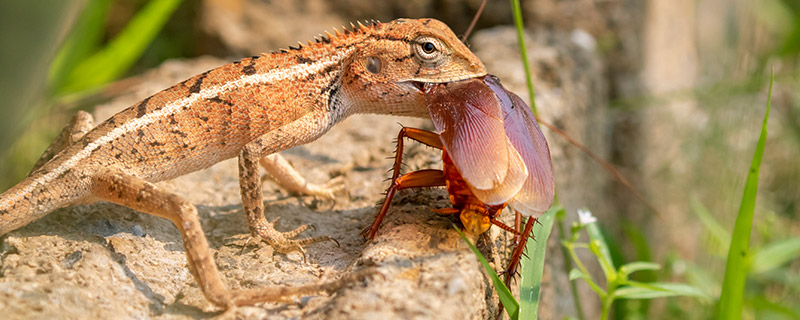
(107, 261)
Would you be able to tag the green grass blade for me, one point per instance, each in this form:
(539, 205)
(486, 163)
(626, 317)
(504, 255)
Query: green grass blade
(736, 267)
(521, 41)
(774, 255)
(123, 51)
(598, 244)
(533, 267)
(82, 41)
(638, 290)
(509, 303)
(721, 238)
(635, 266)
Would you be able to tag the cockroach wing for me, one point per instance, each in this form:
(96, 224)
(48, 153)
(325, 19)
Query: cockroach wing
(469, 120)
(536, 195)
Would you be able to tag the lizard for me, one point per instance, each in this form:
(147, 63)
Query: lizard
(250, 109)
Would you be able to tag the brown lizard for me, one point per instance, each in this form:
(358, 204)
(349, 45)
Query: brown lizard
(250, 109)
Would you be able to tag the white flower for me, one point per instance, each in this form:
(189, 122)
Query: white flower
(585, 217)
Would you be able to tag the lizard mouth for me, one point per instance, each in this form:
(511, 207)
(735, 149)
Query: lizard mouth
(420, 86)
(425, 87)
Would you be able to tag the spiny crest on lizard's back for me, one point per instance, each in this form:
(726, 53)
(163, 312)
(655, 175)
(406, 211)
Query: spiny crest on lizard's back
(327, 38)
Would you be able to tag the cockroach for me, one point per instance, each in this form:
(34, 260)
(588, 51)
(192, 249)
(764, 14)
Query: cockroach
(493, 155)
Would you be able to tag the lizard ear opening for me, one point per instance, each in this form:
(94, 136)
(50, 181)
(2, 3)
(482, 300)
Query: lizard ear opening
(373, 65)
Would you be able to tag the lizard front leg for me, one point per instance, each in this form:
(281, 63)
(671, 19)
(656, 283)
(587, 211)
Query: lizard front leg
(77, 127)
(135, 193)
(287, 177)
(252, 201)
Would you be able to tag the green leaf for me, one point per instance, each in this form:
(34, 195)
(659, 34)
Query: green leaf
(83, 39)
(638, 266)
(774, 255)
(640, 290)
(772, 309)
(701, 278)
(509, 303)
(600, 249)
(637, 238)
(123, 51)
(721, 238)
(736, 267)
(533, 267)
(577, 274)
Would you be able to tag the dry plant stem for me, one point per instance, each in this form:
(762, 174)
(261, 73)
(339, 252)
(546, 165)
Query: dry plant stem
(618, 176)
(473, 22)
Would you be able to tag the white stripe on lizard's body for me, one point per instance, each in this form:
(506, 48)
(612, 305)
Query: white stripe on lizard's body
(301, 71)
(252, 108)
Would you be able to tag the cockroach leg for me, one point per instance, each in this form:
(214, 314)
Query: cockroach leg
(516, 255)
(421, 178)
(416, 179)
(505, 227)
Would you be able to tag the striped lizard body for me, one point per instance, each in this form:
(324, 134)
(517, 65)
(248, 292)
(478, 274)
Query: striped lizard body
(250, 109)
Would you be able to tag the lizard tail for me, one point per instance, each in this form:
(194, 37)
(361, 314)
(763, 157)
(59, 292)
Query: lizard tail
(31, 199)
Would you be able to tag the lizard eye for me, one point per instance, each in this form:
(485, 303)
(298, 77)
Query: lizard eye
(427, 48)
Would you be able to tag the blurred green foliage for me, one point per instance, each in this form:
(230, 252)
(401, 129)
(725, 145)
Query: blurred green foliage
(618, 283)
(30, 32)
(83, 64)
(87, 59)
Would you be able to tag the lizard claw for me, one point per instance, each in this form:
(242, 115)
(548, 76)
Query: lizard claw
(299, 248)
(284, 242)
(246, 243)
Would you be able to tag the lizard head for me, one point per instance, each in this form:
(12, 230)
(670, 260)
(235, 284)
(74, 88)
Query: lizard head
(387, 71)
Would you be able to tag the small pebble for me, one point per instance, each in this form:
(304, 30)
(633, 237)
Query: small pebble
(72, 258)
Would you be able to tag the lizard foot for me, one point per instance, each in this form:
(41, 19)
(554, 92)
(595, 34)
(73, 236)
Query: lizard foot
(287, 177)
(326, 190)
(283, 242)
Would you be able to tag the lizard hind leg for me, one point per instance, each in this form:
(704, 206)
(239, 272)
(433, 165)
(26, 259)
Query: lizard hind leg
(252, 201)
(135, 193)
(287, 177)
(77, 127)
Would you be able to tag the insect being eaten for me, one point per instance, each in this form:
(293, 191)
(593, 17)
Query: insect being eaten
(493, 155)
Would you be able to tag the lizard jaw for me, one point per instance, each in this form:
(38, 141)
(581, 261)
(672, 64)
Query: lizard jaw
(423, 86)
